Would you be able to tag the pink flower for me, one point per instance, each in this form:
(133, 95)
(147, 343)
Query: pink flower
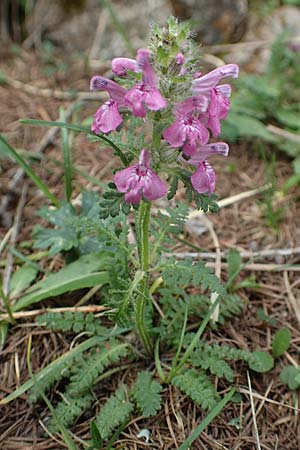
(218, 108)
(218, 95)
(140, 181)
(145, 92)
(107, 118)
(180, 58)
(120, 66)
(187, 132)
(204, 179)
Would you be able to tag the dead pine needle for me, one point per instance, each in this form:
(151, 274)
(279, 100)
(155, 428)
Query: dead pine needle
(253, 413)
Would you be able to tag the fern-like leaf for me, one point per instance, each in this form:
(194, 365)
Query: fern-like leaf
(146, 393)
(89, 367)
(114, 412)
(76, 322)
(215, 365)
(198, 387)
(186, 273)
(69, 409)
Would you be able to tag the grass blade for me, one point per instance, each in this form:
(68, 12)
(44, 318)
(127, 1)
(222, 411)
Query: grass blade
(68, 170)
(29, 171)
(205, 422)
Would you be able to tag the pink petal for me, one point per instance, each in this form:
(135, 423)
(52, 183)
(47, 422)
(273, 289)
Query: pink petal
(120, 66)
(204, 179)
(116, 91)
(125, 178)
(202, 153)
(154, 100)
(153, 186)
(203, 84)
(107, 118)
(195, 103)
(144, 159)
(175, 134)
(224, 89)
(143, 63)
(180, 58)
(134, 100)
(133, 196)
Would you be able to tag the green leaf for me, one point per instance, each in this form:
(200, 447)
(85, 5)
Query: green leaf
(90, 367)
(3, 332)
(146, 393)
(288, 117)
(249, 127)
(234, 261)
(261, 362)
(80, 274)
(21, 279)
(185, 273)
(196, 384)
(28, 170)
(290, 376)
(281, 342)
(116, 410)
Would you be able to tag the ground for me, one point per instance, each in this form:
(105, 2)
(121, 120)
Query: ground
(242, 225)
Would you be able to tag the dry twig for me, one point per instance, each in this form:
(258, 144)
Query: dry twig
(13, 239)
(95, 309)
(291, 298)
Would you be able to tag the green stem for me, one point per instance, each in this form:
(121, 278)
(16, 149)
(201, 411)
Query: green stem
(6, 304)
(143, 248)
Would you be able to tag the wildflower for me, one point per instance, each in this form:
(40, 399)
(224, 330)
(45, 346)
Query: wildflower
(218, 108)
(188, 131)
(140, 181)
(180, 58)
(218, 95)
(145, 92)
(107, 118)
(204, 178)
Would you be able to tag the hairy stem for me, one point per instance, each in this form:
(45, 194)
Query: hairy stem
(143, 244)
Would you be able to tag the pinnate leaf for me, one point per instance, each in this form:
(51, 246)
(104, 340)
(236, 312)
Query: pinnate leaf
(147, 394)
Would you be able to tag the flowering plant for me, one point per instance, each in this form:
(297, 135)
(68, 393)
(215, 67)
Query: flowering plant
(158, 119)
(181, 109)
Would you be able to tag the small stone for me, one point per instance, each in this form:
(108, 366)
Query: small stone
(214, 21)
